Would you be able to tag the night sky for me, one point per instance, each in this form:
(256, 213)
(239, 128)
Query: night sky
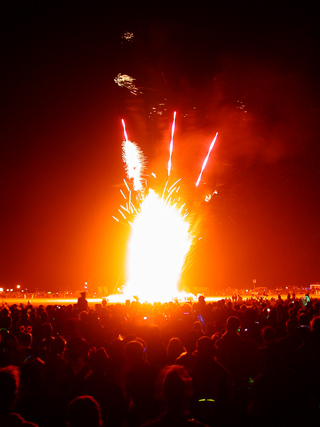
(248, 71)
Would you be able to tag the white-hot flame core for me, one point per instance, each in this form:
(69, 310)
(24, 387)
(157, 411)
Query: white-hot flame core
(159, 241)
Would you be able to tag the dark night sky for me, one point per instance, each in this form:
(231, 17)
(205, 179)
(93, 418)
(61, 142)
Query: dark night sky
(247, 71)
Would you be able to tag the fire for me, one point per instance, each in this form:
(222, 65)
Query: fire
(161, 234)
(159, 241)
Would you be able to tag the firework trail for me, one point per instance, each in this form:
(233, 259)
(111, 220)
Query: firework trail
(171, 142)
(124, 130)
(206, 159)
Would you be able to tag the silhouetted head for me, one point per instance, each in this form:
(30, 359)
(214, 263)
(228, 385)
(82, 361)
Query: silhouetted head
(25, 339)
(83, 316)
(233, 324)
(32, 373)
(303, 319)
(176, 386)
(174, 346)
(315, 325)
(58, 346)
(133, 352)
(99, 360)
(292, 325)
(205, 347)
(47, 329)
(269, 334)
(9, 386)
(84, 411)
(197, 326)
(153, 333)
(77, 348)
(6, 321)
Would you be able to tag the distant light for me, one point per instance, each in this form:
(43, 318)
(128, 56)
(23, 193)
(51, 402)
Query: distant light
(18, 286)
(1, 289)
(123, 80)
(11, 290)
(128, 36)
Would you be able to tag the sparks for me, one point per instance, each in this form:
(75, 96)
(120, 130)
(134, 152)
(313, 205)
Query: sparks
(207, 158)
(128, 36)
(123, 80)
(135, 162)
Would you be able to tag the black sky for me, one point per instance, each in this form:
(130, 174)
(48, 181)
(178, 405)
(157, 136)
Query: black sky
(249, 71)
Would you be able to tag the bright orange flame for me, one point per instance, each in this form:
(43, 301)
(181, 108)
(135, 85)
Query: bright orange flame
(159, 242)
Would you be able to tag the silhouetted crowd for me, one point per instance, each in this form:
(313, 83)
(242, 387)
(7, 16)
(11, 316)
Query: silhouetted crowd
(225, 363)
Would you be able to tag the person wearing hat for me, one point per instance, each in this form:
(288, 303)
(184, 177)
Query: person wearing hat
(82, 302)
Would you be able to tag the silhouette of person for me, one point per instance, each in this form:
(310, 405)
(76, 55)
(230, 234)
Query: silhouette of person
(113, 404)
(236, 356)
(140, 383)
(82, 302)
(9, 393)
(77, 369)
(177, 390)
(212, 383)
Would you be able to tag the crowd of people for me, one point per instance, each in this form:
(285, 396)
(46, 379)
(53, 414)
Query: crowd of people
(253, 362)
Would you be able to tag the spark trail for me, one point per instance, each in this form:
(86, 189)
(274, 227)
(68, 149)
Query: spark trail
(171, 142)
(207, 158)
